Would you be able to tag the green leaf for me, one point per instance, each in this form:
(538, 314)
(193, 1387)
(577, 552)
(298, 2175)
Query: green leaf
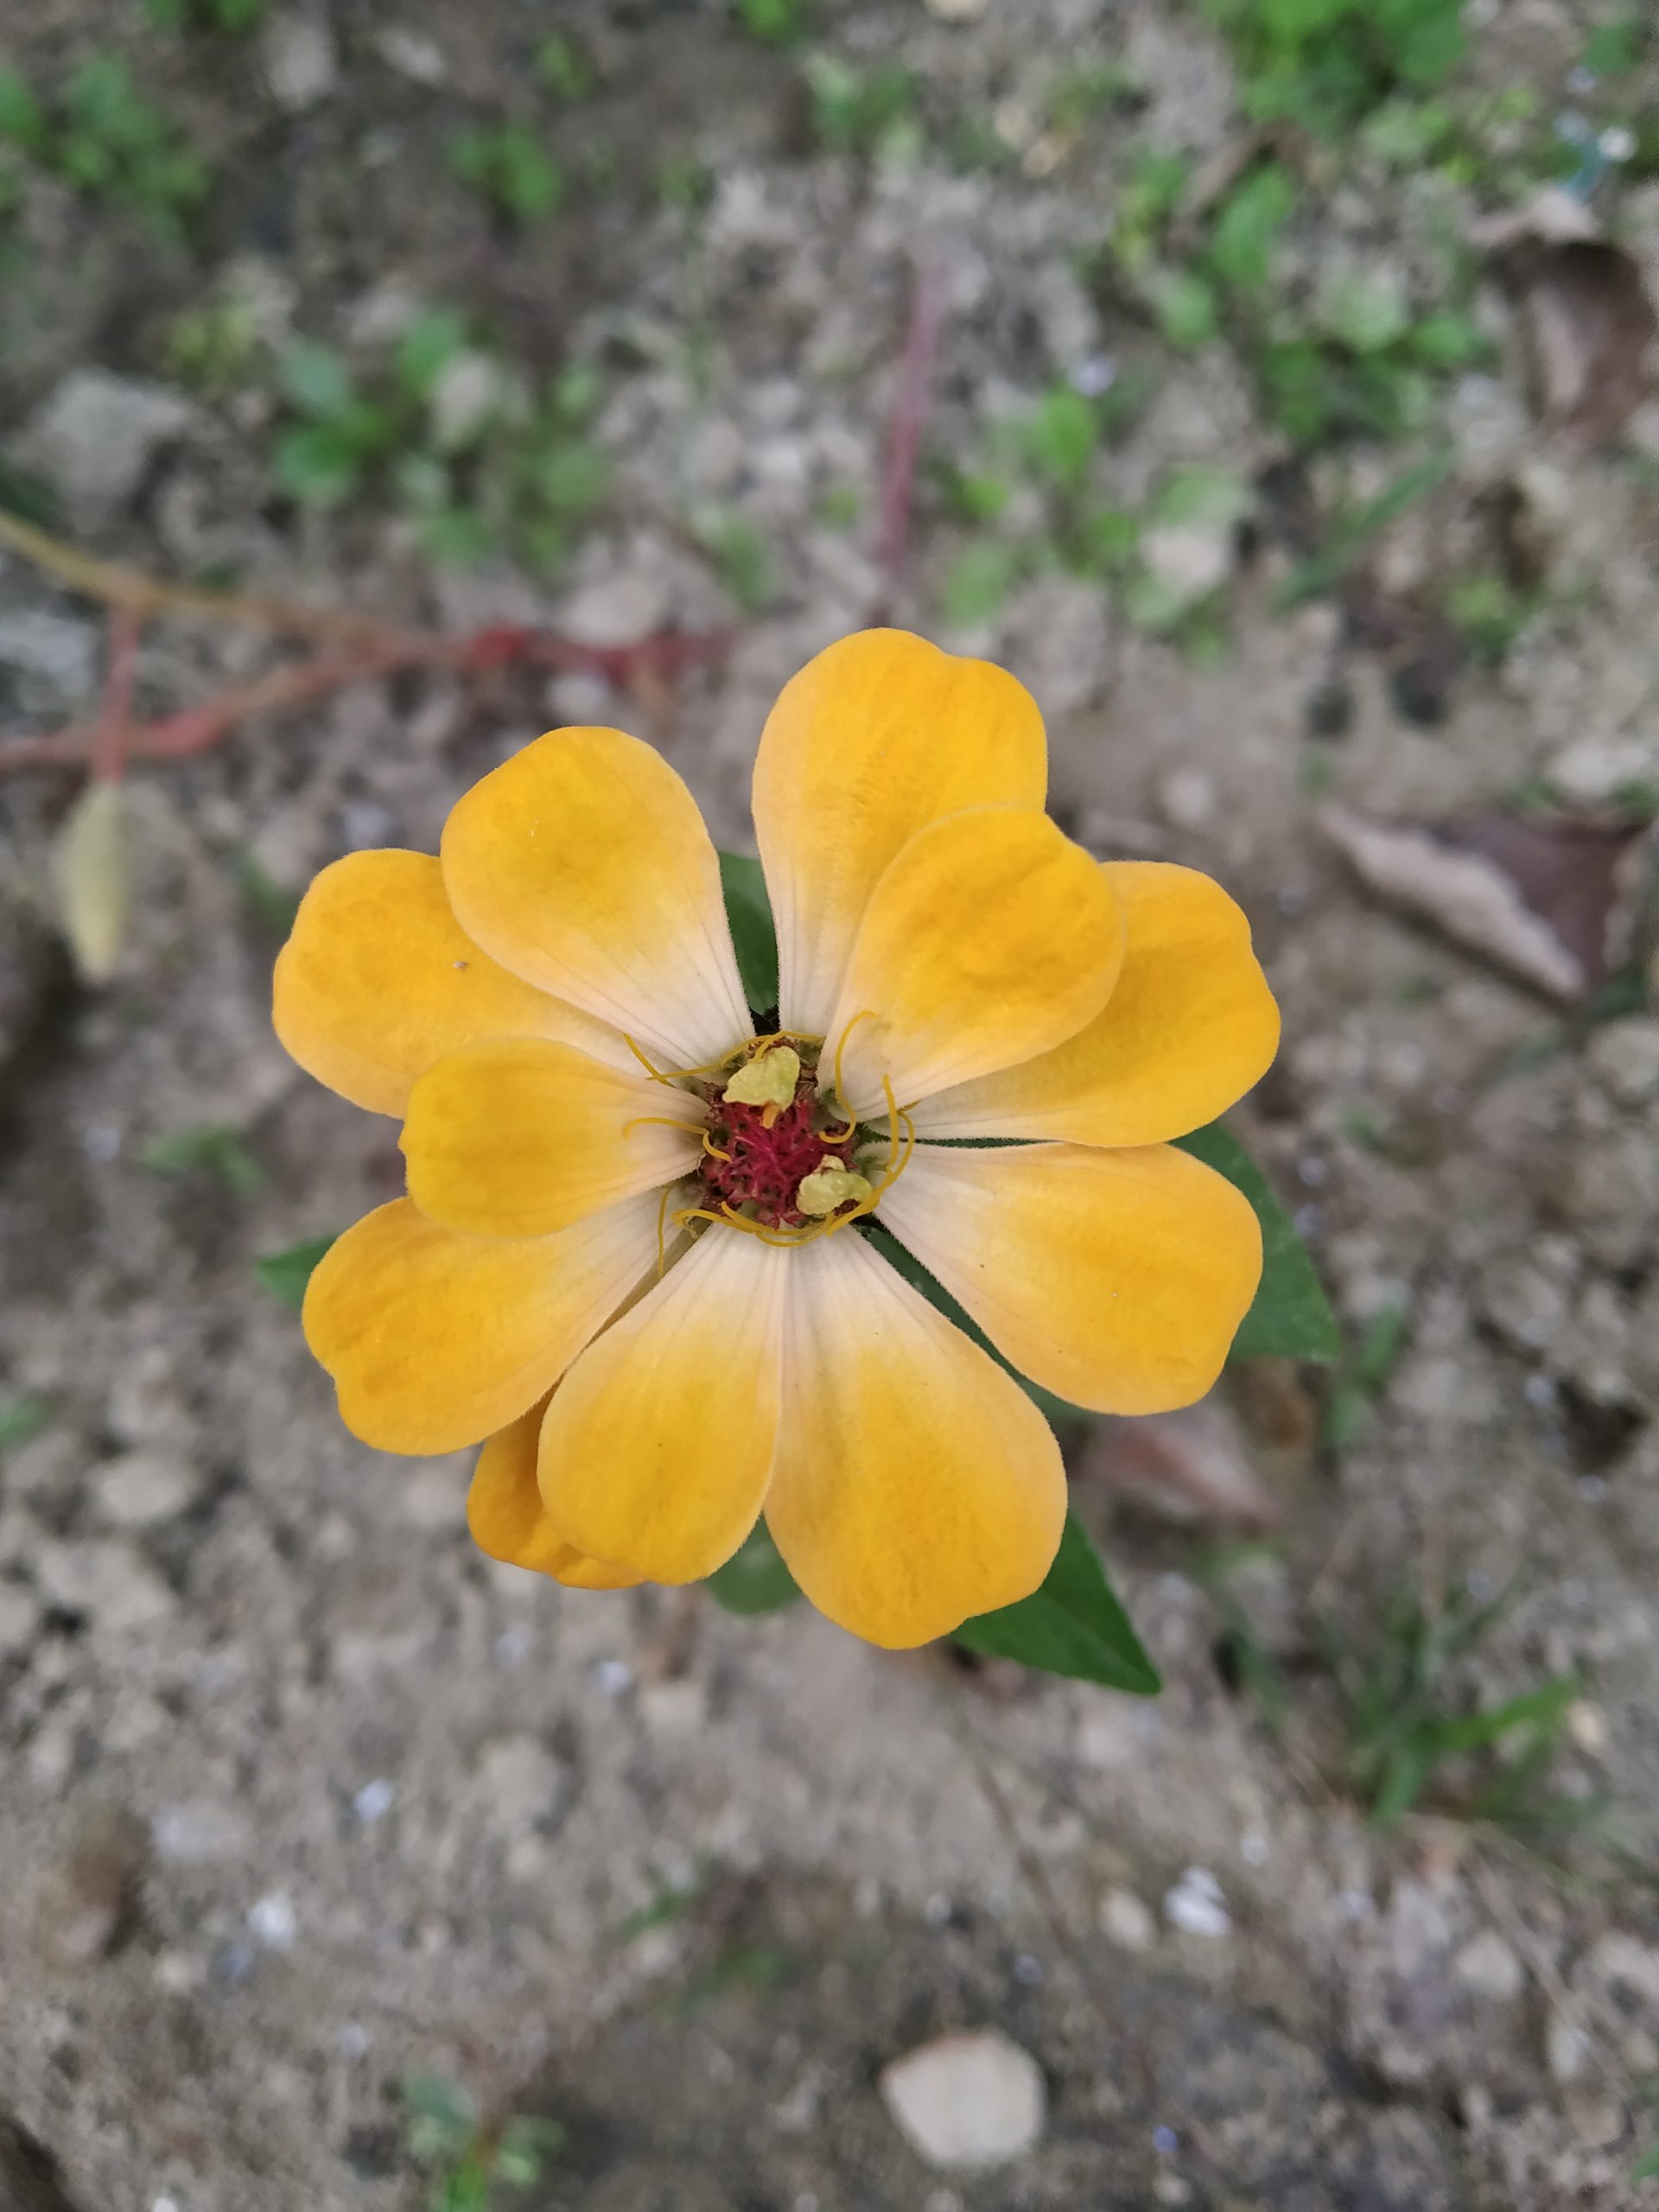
(1247, 227)
(22, 1419)
(1646, 2168)
(437, 2098)
(754, 1579)
(1061, 437)
(316, 381)
(1366, 311)
(1185, 305)
(286, 1274)
(1355, 532)
(1073, 1625)
(748, 910)
(22, 119)
(1291, 1315)
(426, 349)
(217, 1150)
(980, 579)
(320, 465)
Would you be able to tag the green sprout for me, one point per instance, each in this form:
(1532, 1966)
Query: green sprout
(467, 2155)
(779, 23)
(507, 164)
(214, 1150)
(103, 138)
(234, 17)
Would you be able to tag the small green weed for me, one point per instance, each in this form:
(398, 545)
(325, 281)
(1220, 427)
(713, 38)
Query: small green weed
(516, 473)
(214, 1150)
(1091, 89)
(875, 113)
(744, 555)
(1404, 1729)
(22, 1418)
(1324, 65)
(102, 137)
(1363, 1375)
(214, 348)
(507, 164)
(779, 23)
(233, 16)
(467, 2155)
(565, 69)
(286, 1274)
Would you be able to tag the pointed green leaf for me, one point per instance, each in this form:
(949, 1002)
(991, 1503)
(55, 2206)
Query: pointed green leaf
(754, 1579)
(748, 910)
(1291, 1315)
(1073, 1625)
(286, 1274)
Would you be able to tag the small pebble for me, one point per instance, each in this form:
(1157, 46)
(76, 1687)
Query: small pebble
(1489, 1967)
(1254, 1848)
(970, 2101)
(1128, 1920)
(614, 1676)
(1166, 2142)
(1196, 1906)
(374, 1801)
(272, 1920)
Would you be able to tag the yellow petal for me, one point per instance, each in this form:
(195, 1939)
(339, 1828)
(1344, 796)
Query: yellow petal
(435, 1339)
(379, 980)
(519, 1138)
(916, 1485)
(658, 1447)
(991, 938)
(582, 865)
(1190, 1025)
(1117, 1279)
(508, 1521)
(874, 739)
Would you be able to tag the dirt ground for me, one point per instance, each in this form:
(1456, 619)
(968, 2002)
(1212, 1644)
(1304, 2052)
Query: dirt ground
(300, 1793)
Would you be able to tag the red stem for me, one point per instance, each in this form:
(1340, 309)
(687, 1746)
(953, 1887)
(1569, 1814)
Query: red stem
(909, 419)
(107, 745)
(113, 739)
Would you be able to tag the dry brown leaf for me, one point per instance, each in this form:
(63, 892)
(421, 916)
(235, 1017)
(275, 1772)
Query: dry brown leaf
(1552, 899)
(1189, 1465)
(1589, 322)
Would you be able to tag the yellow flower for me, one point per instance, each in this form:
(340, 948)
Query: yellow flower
(617, 1188)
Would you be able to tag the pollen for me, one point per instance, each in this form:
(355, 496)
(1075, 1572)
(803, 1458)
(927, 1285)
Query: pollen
(770, 1081)
(829, 1188)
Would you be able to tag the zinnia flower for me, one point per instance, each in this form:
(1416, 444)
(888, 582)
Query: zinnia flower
(633, 1260)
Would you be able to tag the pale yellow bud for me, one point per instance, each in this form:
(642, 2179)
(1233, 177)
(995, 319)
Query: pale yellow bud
(94, 880)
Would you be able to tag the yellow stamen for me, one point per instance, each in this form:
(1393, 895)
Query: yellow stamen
(836, 1092)
(714, 1150)
(659, 1122)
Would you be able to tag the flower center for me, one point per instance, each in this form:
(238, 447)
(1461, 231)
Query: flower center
(774, 1147)
(781, 1158)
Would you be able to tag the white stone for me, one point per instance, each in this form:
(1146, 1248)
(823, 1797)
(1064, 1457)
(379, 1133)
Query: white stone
(466, 399)
(94, 436)
(967, 2101)
(1128, 1920)
(273, 1922)
(957, 11)
(1621, 1962)
(142, 1487)
(1187, 799)
(199, 1832)
(1566, 2049)
(1196, 1906)
(1192, 559)
(617, 610)
(108, 1581)
(412, 53)
(1489, 1967)
(297, 55)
